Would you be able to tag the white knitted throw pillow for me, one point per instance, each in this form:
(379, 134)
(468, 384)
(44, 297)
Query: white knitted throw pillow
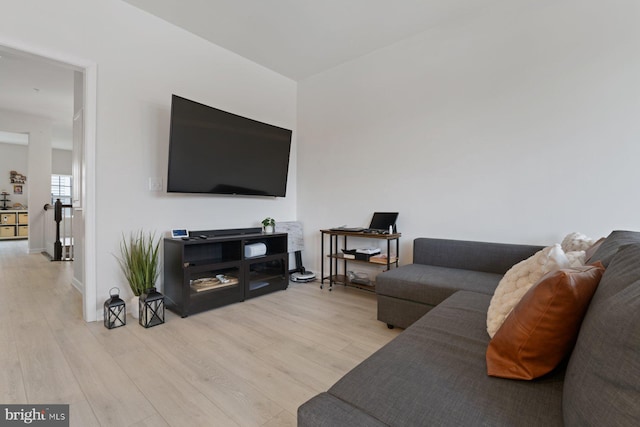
(576, 258)
(517, 281)
(576, 242)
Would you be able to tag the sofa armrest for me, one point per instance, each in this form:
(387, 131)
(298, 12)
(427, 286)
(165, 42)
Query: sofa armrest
(468, 255)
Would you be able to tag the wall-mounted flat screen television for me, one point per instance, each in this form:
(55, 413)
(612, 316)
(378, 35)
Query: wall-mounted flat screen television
(213, 151)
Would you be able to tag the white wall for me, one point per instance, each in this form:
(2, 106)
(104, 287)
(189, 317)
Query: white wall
(517, 126)
(141, 60)
(13, 157)
(61, 161)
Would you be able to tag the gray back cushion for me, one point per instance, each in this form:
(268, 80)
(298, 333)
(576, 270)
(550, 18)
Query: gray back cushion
(602, 382)
(612, 243)
(469, 255)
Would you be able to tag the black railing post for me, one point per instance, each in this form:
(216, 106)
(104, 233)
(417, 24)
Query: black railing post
(57, 246)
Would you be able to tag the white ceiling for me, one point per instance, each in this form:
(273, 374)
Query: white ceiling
(37, 87)
(299, 38)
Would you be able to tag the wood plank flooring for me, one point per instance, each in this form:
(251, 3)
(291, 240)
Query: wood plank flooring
(247, 364)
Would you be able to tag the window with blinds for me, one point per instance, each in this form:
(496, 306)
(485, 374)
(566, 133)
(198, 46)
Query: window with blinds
(61, 189)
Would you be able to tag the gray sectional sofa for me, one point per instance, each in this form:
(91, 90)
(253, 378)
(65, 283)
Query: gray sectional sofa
(434, 372)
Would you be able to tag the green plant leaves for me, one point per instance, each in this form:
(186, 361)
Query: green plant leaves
(139, 260)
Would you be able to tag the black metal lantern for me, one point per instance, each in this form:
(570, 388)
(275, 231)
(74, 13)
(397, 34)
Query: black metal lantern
(151, 308)
(115, 313)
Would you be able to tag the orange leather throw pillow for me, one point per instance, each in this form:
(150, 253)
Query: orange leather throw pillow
(542, 329)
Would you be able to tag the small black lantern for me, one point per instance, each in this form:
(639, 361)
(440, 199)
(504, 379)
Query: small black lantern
(115, 313)
(151, 308)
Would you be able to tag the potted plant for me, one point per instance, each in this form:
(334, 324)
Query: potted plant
(268, 224)
(139, 263)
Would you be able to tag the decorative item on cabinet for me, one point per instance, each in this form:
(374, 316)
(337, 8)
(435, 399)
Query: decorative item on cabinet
(4, 201)
(268, 225)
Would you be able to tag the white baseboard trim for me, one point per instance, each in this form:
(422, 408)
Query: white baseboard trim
(78, 285)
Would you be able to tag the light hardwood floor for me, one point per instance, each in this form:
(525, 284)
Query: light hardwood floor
(249, 364)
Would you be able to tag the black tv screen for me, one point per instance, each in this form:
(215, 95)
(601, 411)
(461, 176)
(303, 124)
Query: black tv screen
(213, 151)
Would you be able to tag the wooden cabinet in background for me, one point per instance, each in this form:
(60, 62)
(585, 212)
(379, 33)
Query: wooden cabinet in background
(14, 224)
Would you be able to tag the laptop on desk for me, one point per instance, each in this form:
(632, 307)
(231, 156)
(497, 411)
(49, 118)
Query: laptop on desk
(380, 223)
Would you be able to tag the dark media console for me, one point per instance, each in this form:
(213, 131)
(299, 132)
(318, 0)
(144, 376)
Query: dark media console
(210, 268)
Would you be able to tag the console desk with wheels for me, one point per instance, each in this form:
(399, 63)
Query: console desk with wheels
(335, 256)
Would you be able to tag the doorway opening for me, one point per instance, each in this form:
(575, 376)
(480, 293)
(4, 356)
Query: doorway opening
(44, 130)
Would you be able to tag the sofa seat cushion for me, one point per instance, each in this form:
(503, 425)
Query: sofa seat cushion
(435, 373)
(325, 410)
(428, 284)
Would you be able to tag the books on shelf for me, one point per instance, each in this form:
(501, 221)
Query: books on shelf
(349, 253)
(382, 259)
(209, 283)
(366, 254)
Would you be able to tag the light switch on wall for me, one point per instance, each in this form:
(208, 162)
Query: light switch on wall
(155, 184)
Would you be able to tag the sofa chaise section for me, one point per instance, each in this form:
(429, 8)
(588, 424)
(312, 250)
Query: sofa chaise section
(440, 268)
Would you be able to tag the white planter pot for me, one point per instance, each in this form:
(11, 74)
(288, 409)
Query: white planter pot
(268, 228)
(135, 307)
